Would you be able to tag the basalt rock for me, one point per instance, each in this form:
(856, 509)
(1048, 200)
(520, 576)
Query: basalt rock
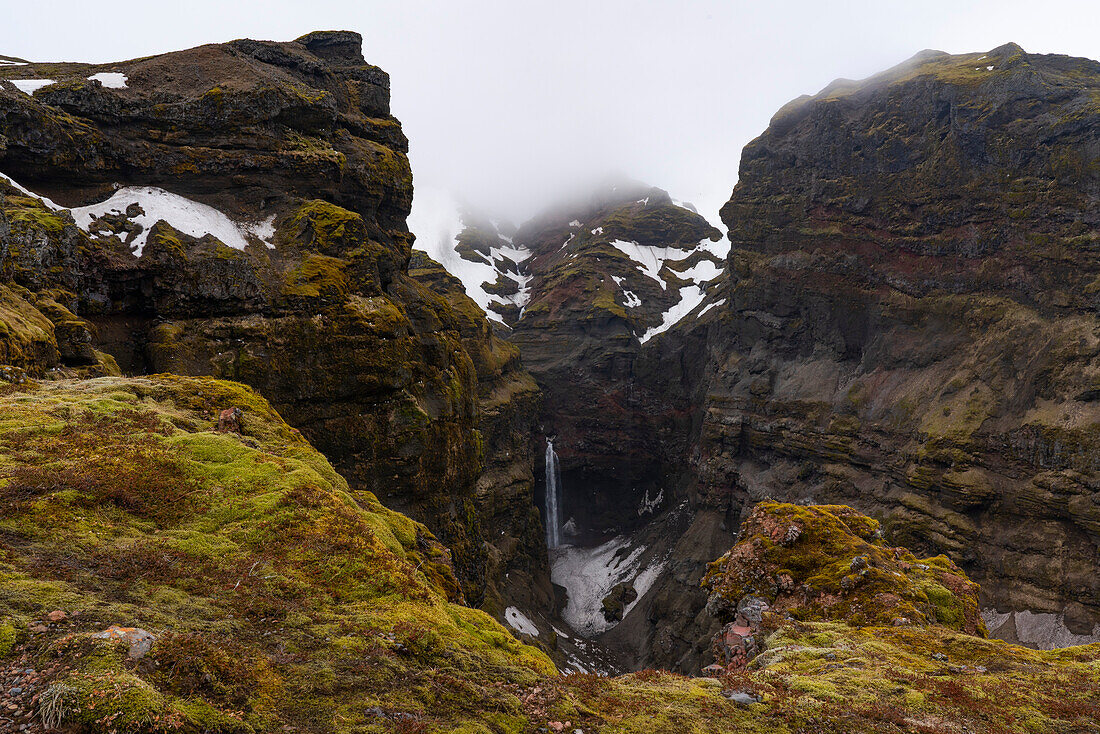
(909, 323)
(829, 562)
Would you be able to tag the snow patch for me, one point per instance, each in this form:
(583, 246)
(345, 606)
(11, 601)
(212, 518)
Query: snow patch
(589, 574)
(263, 230)
(1043, 630)
(709, 306)
(518, 621)
(575, 223)
(183, 214)
(701, 272)
(598, 230)
(690, 297)
(630, 299)
(110, 79)
(650, 259)
(643, 582)
(647, 505)
(720, 249)
(515, 254)
(30, 86)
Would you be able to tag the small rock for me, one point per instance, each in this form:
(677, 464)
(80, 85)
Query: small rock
(938, 656)
(752, 609)
(555, 725)
(229, 420)
(858, 563)
(56, 615)
(741, 697)
(141, 641)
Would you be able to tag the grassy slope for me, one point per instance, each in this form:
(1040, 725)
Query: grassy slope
(278, 596)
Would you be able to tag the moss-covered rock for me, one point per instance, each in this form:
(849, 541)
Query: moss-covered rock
(829, 562)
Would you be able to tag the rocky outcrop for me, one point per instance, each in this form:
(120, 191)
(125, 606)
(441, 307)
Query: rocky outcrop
(910, 321)
(829, 562)
(238, 210)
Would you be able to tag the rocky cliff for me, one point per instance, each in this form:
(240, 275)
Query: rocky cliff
(910, 323)
(238, 210)
(580, 289)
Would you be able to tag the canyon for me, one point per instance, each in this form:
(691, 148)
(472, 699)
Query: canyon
(901, 320)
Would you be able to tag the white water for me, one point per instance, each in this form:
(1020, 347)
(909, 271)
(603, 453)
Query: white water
(553, 497)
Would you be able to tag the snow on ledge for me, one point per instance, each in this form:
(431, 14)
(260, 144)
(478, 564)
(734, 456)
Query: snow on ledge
(690, 297)
(110, 79)
(519, 621)
(183, 214)
(48, 202)
(30, 86)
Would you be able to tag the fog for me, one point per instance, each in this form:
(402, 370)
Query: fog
(511, 105)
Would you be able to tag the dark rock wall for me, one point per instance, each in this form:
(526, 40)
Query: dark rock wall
(395, 383)
(911, 324)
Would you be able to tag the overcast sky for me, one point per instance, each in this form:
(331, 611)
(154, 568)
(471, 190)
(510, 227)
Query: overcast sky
(512, 104)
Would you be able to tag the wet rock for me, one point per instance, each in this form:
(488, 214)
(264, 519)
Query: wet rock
(617, 599)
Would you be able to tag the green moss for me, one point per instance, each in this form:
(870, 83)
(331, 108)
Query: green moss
(26, 212)
(8, 635)
(318, 276)
(26, 334)
(829, 562)
(276, 593)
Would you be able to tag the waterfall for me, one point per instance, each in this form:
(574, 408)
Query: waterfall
(553, 497)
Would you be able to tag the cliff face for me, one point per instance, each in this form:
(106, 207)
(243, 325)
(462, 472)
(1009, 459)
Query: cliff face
(607, 276)
(910, 325)
(238, 210)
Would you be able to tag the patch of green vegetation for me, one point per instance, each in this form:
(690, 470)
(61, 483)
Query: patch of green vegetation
(830, 562)
(26, 334)
(318, 276)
